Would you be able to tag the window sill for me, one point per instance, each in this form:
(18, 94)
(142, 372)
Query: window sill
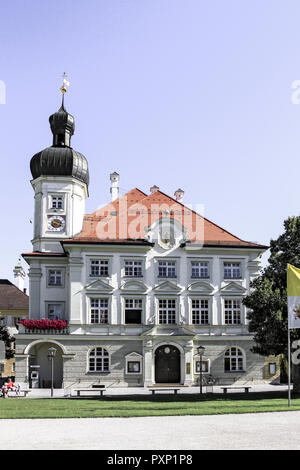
(98, 372)
(234, 372)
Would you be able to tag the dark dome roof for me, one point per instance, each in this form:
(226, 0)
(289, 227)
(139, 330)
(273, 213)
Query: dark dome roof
(60, 161)
(62, 120)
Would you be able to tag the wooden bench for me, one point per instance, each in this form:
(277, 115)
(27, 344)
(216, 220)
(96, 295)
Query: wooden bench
(246, 389)
(98, 390)
(153, 390)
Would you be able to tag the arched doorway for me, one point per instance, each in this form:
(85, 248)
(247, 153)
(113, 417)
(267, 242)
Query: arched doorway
(39, 362)
(167, 364)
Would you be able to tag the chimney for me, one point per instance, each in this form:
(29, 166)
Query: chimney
(19, 275)
(153, 189)
(114, 188)
(179, 195)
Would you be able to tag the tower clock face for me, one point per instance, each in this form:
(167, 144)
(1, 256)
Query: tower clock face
(56, 223)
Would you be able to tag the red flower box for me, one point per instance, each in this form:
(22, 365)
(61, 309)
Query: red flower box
(44, 324)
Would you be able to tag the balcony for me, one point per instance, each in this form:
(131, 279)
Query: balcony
(43, 326)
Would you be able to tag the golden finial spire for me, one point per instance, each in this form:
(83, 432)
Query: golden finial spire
(66, 82)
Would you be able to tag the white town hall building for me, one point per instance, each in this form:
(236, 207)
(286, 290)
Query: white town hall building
(141, 283)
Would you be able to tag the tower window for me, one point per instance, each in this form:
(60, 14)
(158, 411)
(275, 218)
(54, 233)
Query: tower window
(57, 202)
(55, 278)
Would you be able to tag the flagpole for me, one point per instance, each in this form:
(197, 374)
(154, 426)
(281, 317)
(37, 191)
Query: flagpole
(289, 368)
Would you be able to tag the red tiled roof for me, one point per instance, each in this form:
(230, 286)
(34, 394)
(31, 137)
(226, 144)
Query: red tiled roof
(125, 219)
(11, 297)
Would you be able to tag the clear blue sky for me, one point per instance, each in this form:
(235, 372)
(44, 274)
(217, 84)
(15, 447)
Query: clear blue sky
(177, 93)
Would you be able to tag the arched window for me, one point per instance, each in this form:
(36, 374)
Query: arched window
(234, 360)
(98, 360)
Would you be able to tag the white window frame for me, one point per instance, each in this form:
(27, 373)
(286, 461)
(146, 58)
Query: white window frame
(167, 268)
(99, 298)
(133, 268)
(134, 298)
(51, 197)
(235, 357)
(191, 261)
(99, 261)
(167, 298)
(232, 268)
(200, 299)
(233, 309)
(102, 371)
(139, 259)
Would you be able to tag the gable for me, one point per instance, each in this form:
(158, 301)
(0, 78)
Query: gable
(233, 288)
(201, 287)
(167, 287)
(134, 286)
(99, 286)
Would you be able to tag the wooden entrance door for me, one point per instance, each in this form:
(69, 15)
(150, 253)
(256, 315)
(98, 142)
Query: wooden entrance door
(167, 364)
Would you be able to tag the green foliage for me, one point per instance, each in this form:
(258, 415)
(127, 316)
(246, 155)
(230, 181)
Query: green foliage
(7, 339)
(268, 315)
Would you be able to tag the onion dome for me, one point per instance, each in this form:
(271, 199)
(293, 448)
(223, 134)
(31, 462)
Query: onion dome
(60, 159)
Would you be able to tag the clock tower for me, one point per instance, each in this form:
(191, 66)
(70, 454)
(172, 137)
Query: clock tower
(60, 182)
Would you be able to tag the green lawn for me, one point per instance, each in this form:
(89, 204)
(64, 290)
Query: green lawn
(159, 405)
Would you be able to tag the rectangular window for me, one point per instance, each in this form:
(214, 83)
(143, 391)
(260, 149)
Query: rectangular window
(167, 311)
(272, 368)
(55, 311)
(232, 312)
(133, 311)
(1, 367)
(232, 270)
(133, 367)
(167, 268)
(55, 278)
(99, 267)
(200, 312)
(57, 202)
(99, 311)
(133, 268)
(200, 269)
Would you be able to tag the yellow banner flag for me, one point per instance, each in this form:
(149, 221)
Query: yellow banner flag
(293, 292)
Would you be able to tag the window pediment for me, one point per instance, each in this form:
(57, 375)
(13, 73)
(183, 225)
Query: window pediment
(201, 287)
(134, 286)
(133, 355)
(99, 286)
(233, 288)
(168, 287)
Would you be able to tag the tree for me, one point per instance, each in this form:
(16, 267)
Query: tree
(268, 315)
(7, 339)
